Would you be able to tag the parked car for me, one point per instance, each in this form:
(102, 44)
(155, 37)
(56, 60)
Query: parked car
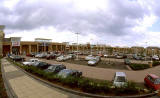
(92, 62)
(55, 68)
(69, 72)
(31, 54)
(16, 58)
(142, 58)
(105, 55)
(61, 58)
(153, 81)
(119, 79)
(50, 56)
(155, 57)
(89, 57)
(72, 56)
(30, 62)
(101, 55)
(41, 55)
(42, 65)
(119, 57)
(127, 61)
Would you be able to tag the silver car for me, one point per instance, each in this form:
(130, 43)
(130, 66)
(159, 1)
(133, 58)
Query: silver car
(119, 79)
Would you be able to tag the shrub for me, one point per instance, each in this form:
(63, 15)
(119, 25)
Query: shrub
(70, 81)
(129, 88)
(92, 86)
(139, 66)
(155, 63)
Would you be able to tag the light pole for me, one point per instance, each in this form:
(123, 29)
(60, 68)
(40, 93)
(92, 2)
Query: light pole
(146, 52)
(91, 45)
(77, 44)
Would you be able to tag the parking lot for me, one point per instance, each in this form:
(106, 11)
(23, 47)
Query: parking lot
(105, 73)
(122, 60)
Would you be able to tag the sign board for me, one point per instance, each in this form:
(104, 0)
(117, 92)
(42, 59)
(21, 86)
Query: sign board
(43, 40)
(15, 43)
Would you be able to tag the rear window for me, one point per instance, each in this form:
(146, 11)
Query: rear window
(157, 81)
(120, 79)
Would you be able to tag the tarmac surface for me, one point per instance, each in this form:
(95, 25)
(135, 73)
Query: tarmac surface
(107, 73)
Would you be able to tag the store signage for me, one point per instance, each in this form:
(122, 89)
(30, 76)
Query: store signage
(15, 43)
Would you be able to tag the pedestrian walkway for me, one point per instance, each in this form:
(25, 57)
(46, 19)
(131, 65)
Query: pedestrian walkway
(25, 86)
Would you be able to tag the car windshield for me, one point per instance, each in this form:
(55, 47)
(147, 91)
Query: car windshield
(121, 79)
(64, 73)
(157, 81)
(51, 67)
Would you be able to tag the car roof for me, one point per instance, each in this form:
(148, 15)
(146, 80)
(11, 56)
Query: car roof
(33, 59)
(120, 74)
(57, 65)
(66, 70)
(153, 76)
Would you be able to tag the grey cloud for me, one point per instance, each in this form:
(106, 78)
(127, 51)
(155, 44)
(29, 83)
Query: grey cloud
(119, 20)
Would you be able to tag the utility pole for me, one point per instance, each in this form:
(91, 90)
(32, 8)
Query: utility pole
(146, 51)
(77, 44)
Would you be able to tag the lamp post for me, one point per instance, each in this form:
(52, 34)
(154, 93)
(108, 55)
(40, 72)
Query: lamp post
(77, 44)
(146, 52)
(91, 45)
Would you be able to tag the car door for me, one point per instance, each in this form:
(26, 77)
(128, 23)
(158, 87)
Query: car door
(150, 81)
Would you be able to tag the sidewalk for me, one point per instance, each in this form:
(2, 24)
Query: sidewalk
(26, 87)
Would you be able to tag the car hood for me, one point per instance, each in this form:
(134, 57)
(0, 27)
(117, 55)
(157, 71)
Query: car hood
(26, 63)
(91, 62)
(119, 84)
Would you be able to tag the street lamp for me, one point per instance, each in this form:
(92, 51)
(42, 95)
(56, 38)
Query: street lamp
(91, 45)
(146, 52)
(77, 44)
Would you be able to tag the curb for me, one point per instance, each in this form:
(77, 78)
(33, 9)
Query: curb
(9, 90)
(82, 93)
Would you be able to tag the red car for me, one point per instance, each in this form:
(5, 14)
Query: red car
(152, 81)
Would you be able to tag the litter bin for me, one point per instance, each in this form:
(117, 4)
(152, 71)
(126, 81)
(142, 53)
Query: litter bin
(150, 63)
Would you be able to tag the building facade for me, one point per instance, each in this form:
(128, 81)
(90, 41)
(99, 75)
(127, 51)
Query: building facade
(14, 45)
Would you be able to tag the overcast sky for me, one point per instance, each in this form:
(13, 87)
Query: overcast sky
(111, 22)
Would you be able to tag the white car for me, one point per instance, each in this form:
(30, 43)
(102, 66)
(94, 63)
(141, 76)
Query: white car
(155, 57)
(90, 57)
(61, 58)
(119, 57)
(30, 62)
(105, 55)
(92, 62)
(119, 79)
